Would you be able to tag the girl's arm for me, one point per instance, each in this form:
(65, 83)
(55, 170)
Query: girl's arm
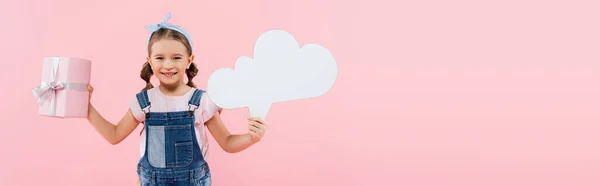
(236, 142)
(111, 133)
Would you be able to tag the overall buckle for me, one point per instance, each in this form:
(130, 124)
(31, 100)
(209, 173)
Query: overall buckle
(191, 110)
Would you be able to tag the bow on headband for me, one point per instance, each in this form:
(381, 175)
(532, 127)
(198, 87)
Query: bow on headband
(163, 24)
(155, 27)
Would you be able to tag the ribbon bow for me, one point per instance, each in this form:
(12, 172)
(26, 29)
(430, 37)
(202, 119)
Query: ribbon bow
(47, 89)
(155, 27)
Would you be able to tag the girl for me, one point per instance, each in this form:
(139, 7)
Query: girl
(173, 145)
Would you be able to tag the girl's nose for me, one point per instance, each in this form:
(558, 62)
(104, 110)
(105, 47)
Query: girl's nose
(168, 64)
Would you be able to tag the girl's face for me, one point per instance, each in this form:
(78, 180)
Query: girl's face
(169, 60)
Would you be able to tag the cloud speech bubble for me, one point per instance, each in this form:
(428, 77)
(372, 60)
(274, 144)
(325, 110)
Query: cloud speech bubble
(280, 71)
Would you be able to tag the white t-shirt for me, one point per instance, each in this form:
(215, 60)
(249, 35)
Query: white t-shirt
(163, 103)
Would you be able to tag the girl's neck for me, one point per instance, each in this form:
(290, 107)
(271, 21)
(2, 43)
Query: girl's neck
(174, 90)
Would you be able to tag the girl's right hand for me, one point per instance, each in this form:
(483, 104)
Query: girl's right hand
(91, 90)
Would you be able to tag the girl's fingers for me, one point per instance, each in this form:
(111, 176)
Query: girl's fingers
(256, 124)
(253, 128)
(257, 119)
(261, 121)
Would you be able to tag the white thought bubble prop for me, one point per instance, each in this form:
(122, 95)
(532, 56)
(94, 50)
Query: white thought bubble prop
(280, 71)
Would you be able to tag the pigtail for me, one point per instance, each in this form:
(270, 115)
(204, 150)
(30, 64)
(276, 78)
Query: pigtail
(191, 73)
(145, 74)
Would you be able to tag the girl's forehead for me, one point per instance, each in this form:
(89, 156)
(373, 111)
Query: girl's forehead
(168, 46)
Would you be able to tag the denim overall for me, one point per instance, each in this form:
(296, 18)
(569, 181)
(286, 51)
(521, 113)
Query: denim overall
(172, 155)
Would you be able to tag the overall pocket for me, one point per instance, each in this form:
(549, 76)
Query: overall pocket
(184, 153)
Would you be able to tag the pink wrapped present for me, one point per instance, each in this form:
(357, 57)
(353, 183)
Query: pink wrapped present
(63, 92)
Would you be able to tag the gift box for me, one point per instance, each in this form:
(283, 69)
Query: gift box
(63, 92)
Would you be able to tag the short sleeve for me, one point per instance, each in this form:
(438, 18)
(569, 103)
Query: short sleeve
(136, 110)
(208, 108)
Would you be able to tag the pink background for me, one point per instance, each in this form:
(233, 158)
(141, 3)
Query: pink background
(434, 93)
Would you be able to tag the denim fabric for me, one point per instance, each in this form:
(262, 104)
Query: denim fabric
(172, 155)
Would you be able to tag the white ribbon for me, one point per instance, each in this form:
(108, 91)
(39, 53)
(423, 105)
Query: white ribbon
(49, 89)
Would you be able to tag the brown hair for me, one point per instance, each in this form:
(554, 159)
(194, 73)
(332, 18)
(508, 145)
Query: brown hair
(165, 33)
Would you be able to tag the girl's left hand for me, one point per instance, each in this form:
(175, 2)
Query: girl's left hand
(256, 128)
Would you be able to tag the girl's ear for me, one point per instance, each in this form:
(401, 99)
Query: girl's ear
(191, 61)
(148, 61)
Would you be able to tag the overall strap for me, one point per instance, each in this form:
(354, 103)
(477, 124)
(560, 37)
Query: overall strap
(144, 102)
(194, 102)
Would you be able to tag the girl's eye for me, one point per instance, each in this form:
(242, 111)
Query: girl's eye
(159, 58)
(177, 58)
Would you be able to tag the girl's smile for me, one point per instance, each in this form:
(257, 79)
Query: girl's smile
(168, 74)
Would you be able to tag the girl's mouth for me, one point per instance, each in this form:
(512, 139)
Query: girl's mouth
(168, 74)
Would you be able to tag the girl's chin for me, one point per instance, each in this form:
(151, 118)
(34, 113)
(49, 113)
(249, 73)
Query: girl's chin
(169, 81)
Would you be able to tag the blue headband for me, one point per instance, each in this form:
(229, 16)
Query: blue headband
(154, 27)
